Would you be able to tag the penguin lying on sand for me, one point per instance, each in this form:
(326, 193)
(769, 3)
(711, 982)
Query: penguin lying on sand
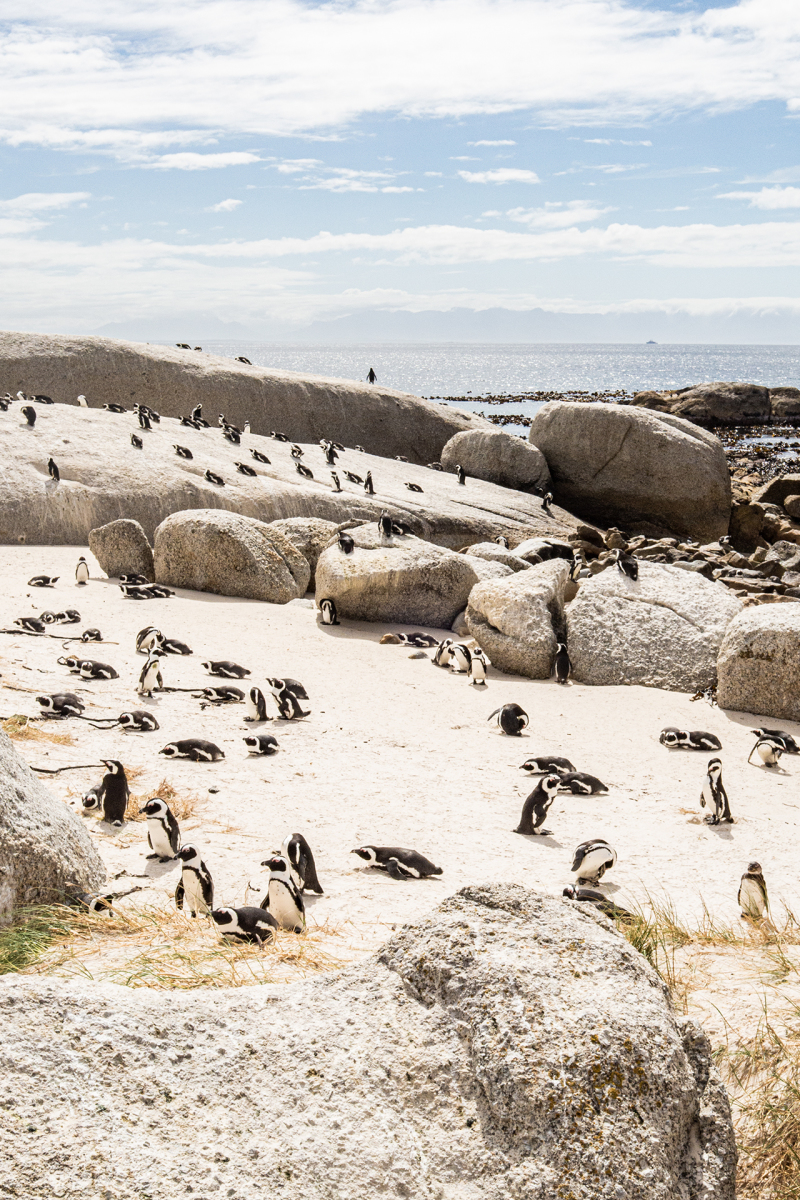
(223, 695)
(790, 746)
(581, 784)
(261, 743)
(43, 580)
(688, 739)
(195, 749)
(229, 670)
(61, 704)
(547, 764)
(246, 924)
(400, 864)
(138, 719)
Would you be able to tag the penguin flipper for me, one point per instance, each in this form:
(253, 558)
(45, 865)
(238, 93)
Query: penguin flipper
(179, 895)
(494, 714)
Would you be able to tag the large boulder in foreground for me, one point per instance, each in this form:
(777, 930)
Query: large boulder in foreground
(497, 457)
(508, 1045)
(662, 630)
(211, 551)
(403, 579)
(517, 620)
(617, 465)
(305, 407)
(122, 548)
(310, 535)
(759, 662)
(45, 851)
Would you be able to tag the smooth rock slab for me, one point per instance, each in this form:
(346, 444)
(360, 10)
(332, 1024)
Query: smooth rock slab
(516, 620)
(122, 548)
(759, 662)
(404, 579)
(45, 850)
(663, 630)
(508, 1045)
(498, 457)
(222, 552)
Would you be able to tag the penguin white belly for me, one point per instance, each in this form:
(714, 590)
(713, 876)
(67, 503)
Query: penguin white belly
(283, 907)
(751, 899)
(159, 840)
(708, 796)
(193, 892)
(593, 862)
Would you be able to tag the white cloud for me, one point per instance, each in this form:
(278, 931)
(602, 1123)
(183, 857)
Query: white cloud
(32, 202)
(224, 206)
(556, 214)
(499, 142)
(500, 175)
(313, 175)
(463, 158)
(772, 197)
(186, 160)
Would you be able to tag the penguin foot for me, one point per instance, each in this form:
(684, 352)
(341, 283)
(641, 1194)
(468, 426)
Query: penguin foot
(542, 832)
(711, 820)
(154, 856)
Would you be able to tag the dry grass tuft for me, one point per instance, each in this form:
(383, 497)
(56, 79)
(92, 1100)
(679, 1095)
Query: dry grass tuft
(183, 804)
(20, 728)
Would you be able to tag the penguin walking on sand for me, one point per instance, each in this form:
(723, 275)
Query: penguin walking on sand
(195, 887)
(368, 484)
(511, 718)
(478, 665)
(562, 665)
(246, 924)
(714, 795)
(150, 676)
(283, 899)
(256, 705)
(298, 854)
(592, 859)
(328, 614)
(111, 794)
(769, 750)
(398, 863)
(752, 898)
(163, 831)
(537, 805)
(53, 471)
(82, 571)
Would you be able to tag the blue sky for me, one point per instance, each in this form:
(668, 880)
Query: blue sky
(284, 166)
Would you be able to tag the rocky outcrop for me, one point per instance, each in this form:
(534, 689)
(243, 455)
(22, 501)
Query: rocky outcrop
(506, 1045)
(759, 662)
(230, 555)
(403, 579)
(777, 490)
(122, 548)
(620, 465)
(497, 457)
(662, 630)
(45, 851)
(519, 620)
(104, 477)
(310, 535)
(711, 404)
(785, 405)
(305, 407)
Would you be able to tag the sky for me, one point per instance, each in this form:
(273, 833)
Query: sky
(285, 169)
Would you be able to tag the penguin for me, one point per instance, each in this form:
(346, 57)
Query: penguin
(246, 924)
(196, 887)
(422, 640)
(259, 457)
(581, 784)
(714, 794)
(148, 638)
(30, 624)
(278, 437)
(337, 487)
(441, 656)
(82, 571)
(197, 411)
(297, 852)
(360, 449)
(289, 707)
(139, 720)
(460, 658)
(547, 500)
(48, 617)
(241, 358)
(790, 746)
(562, 664)
(94, 902)
(113, 793)
(400, 458)
(230, 670)
(399, 863)
(131, 578)
(769, 751)
(478, 664)
(261, 743)
(435, 466)
(296, 451)
(144, 419)
(461, 473)
(291, 685)
(68, 616)
(369, 487)
(283, 899)
(304, 471)
(243, 469)
(135, 592)
(29, 414)
(353, 477)
(150, 676)
(688, 739)
(91, 635)
(115, 408)
(173, 646)
(43, 580)
(182, 451)
(346, 543)
(752, 898)
(256, 705)
(502, 540)
(44, 400)
(414, 487)
(328, 614)
(330, 453)
(61, 704)
(82, 401)
(511, 718)
(137, 442)
(188, 423)
(600, 901)
(158, 591)
(53, 470)
(627, 564)
(72, 662)
(223, 694)
(163, 831)
(592, 859)
(536, 806)
(195, 749)
(89, 669)
(385, 525)
(547, 764)
(232, 435)
(212, 478)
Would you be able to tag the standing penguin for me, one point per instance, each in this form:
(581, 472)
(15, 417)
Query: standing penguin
(592, 859)
(460, 658)
(714, 795)
(337, 487)
(462, 474)
(82, 571)
(441, 656)
(535, 808)
(283, 899)
(328, 614)
(753, 899)
(111, 794)
(196, 886)
(368, 485)
(163, 831)
(477, 668)
(562, 664)
(256, 705)
(53, 470)
(385, 524)
(511, 718)
(297, 852)
(150, 677)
